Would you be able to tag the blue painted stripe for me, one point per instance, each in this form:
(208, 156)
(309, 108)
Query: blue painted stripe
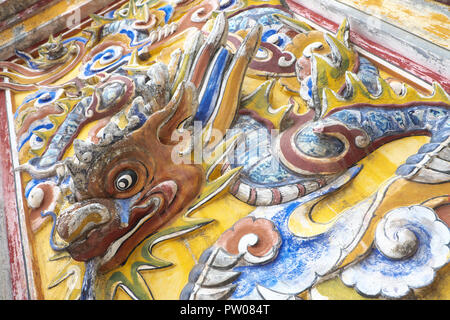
(53, 245)
(80, 39)
(27, 59)
(208, 101)
(267, 34)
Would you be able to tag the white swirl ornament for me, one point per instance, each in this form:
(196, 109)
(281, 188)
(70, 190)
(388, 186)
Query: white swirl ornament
(250, 240)
(411, 244)
(283, 62)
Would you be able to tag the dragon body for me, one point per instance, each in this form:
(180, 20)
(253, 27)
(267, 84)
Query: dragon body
(287, 173)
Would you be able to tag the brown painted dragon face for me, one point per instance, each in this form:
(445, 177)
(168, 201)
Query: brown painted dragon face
(127, 186)
(131, 182)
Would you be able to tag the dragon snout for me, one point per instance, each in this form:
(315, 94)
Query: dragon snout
(99, 226)
(78, 219)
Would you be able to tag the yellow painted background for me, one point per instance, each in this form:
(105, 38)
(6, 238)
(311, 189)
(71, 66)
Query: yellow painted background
(184, 252)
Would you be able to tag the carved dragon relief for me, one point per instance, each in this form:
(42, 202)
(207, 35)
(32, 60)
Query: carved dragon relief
(107, 163)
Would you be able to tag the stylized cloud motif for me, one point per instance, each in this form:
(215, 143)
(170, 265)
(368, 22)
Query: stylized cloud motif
(411, 244)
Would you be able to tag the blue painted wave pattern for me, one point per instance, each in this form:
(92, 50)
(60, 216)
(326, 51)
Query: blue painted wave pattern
(298, 264)
(380, 122)
(300, 261)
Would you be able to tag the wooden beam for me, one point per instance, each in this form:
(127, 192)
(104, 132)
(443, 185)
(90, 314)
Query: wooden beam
(9, 8)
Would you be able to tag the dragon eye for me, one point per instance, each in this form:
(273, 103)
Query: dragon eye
(126, 180)
(125, 177)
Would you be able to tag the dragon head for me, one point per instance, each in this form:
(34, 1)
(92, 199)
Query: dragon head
(126, 186)
(129, 177)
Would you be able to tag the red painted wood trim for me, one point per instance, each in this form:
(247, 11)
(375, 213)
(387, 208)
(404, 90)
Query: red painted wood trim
(375, 48)
(8, 190)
